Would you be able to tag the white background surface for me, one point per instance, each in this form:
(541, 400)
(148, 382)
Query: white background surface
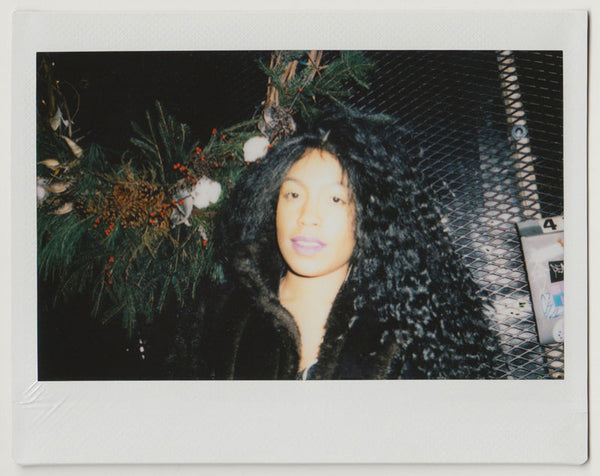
(7, 466)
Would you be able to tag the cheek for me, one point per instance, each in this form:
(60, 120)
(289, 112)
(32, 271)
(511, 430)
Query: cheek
(350, 236)
(279, 217)
(342, 227)
(283, 219)
(351, 229)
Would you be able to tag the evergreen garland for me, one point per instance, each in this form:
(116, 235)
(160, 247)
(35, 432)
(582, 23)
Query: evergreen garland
(127, 234)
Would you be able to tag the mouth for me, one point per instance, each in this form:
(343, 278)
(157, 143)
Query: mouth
(306, 245)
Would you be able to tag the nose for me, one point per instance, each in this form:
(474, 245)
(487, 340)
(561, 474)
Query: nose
(309, 214)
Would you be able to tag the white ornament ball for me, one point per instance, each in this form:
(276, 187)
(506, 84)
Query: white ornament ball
(205, 192)
(255, 148)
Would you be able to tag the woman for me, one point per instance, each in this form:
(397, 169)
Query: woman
(337, 266)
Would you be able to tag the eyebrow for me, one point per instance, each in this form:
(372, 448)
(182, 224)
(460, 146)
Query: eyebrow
(292, 179)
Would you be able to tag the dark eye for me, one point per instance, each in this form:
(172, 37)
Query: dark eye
(337, 200)
(291, 195)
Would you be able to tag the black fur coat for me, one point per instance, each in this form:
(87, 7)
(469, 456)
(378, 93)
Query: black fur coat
(240, 331)
(243, 335)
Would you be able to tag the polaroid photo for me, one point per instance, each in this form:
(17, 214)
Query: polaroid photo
(361, 231)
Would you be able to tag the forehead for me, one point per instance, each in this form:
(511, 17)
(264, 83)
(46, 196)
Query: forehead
(317, 167)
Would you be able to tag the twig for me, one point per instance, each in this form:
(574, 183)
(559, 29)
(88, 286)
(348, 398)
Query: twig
(314, 58)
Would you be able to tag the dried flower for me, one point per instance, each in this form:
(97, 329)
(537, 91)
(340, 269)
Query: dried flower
(255, 148)
(205, 192)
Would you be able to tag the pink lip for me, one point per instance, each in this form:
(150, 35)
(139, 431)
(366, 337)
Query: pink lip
(307, 245)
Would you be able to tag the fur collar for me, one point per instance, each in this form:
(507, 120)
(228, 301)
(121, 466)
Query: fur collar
(256, 338)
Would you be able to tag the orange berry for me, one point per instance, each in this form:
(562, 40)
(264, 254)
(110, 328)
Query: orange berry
(204, 242)
(299, 90)
(111, 259)
(180, 202)
(214, 131)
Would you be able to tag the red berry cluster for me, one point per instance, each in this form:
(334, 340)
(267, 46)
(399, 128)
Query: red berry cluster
(199, 153)
(157, 217)
(184, 170)
(108, 270)
(108, 230)
(154, 217)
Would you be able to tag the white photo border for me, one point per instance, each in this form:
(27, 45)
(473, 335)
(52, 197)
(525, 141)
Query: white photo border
(299, 422)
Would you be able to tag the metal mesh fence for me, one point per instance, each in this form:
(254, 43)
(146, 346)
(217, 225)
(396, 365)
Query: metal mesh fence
(489, 128)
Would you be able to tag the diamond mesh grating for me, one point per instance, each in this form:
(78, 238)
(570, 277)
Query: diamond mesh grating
(491, 164)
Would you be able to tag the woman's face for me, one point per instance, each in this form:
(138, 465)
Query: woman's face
(315, 216)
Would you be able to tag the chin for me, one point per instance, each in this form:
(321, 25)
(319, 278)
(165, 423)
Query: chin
(306, 270)
(314, 269)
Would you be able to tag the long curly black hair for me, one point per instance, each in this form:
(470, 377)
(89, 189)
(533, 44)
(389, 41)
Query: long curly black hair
(406, 278)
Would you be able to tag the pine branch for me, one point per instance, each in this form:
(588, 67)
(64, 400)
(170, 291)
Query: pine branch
(156, 148)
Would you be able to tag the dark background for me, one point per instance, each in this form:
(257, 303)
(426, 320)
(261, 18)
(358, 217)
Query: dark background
(451, 101)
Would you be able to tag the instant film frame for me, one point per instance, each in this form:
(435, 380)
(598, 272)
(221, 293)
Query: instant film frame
(118, 421)
(486, 132)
